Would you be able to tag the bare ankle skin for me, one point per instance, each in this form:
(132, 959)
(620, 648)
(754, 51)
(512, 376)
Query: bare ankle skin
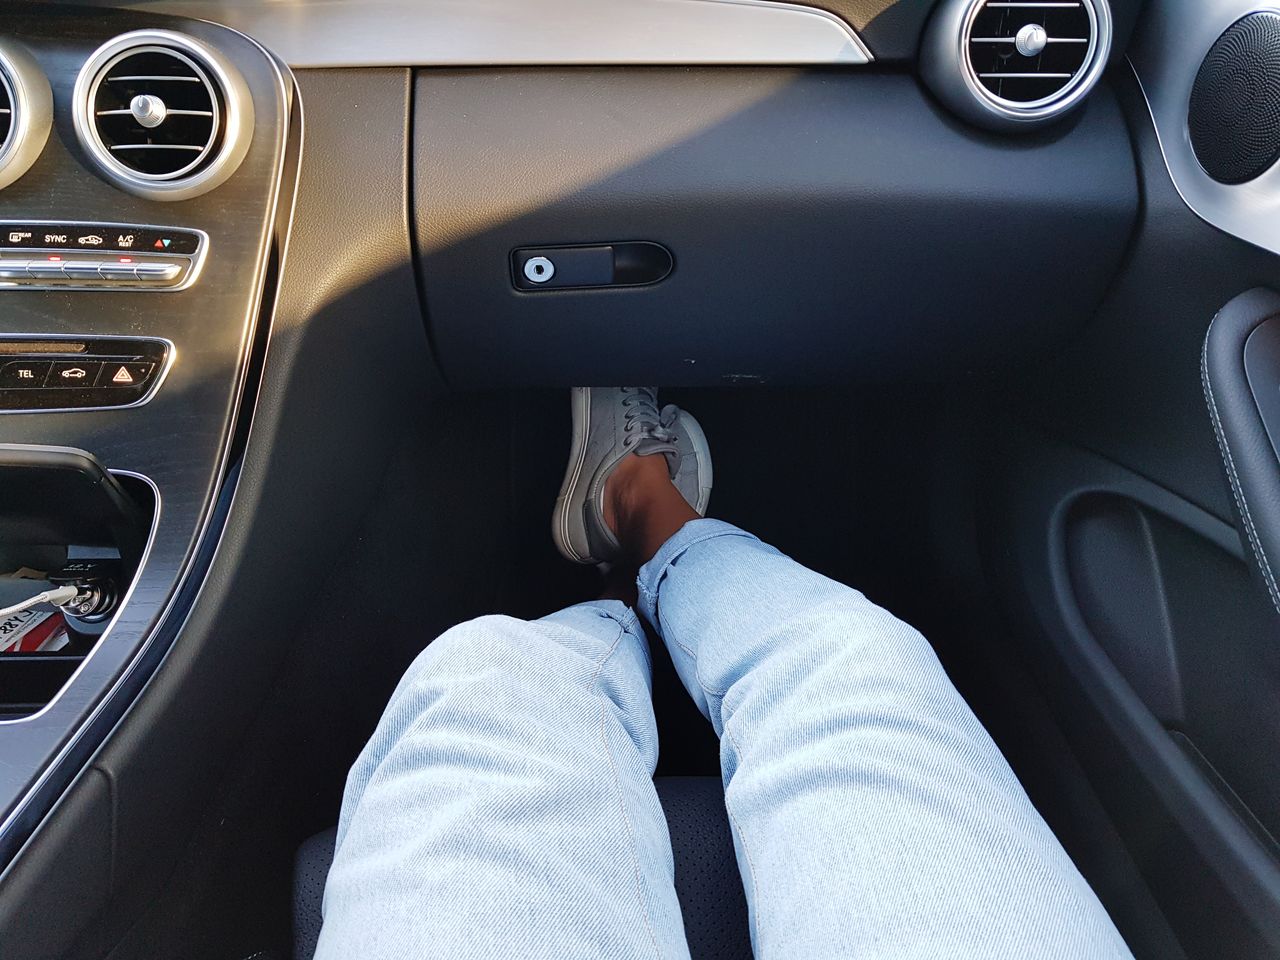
(643, 507)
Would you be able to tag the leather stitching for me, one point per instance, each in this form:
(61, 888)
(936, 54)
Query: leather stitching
(1237, 491)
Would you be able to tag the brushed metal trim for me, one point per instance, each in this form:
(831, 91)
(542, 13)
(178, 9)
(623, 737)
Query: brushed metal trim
(1166, 54)
(170, 356)
(368, 33)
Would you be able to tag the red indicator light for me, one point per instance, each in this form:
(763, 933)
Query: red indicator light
(54, 258)
(126, 259)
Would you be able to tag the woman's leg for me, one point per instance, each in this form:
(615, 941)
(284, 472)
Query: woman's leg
(873, 815)
(505, 805)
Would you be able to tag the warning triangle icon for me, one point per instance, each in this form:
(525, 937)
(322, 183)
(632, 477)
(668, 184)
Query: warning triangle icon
(122, 376)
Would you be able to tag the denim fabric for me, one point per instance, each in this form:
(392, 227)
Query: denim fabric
(505, 808)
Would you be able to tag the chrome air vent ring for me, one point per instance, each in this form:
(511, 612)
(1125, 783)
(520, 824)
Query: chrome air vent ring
(1011, 64)
(162, 114)
(27, 112)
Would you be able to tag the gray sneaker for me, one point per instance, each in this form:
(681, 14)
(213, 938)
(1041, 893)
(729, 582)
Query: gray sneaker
(608, 424)
(694, 476)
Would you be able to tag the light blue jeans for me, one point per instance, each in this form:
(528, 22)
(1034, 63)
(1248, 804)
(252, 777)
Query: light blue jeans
(505, 805)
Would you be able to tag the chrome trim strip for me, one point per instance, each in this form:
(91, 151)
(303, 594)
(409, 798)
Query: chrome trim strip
(1171, 42)
(368, 33)
(171, 355)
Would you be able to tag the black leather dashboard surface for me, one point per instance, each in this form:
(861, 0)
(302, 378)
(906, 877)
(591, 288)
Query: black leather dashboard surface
(826, 226)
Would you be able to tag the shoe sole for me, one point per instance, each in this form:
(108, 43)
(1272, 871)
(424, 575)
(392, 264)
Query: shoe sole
(561, 518)
(702, 451)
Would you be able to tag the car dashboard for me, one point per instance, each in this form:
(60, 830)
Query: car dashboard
(242, 244)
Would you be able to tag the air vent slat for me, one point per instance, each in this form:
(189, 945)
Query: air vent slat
(153, 77)
(172, 113)
(157, 146)
(1015, 40)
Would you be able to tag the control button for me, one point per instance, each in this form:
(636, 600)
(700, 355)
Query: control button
(124, 374)
(73, 373)
(48, 269)
(14, 270)
(167, 241)
(157, 272)
(81, 270)
(116, 270)
(24, 373)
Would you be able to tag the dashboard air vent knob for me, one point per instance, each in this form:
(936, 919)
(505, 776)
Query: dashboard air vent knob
(1009, 64)
(164, 115)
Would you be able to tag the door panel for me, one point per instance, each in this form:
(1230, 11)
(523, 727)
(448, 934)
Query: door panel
(1112, 538)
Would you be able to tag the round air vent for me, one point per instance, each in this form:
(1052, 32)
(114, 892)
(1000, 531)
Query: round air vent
(26, 112)
(1234, 116)
(164, 115)
(1009, 64)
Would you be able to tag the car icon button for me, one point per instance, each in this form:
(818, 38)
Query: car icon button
(74, 373)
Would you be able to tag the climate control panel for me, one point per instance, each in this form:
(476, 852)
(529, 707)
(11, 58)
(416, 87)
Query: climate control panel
(98, 256)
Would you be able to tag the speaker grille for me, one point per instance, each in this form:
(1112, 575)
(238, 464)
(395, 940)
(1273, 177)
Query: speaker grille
(1234, 117)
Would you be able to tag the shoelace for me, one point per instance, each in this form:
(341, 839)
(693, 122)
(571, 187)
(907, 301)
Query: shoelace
(641, 417)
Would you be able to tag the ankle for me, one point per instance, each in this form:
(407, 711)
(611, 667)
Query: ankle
(643, 508)
(630, 490)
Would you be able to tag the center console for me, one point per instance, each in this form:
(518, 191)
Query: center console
(144, 199)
